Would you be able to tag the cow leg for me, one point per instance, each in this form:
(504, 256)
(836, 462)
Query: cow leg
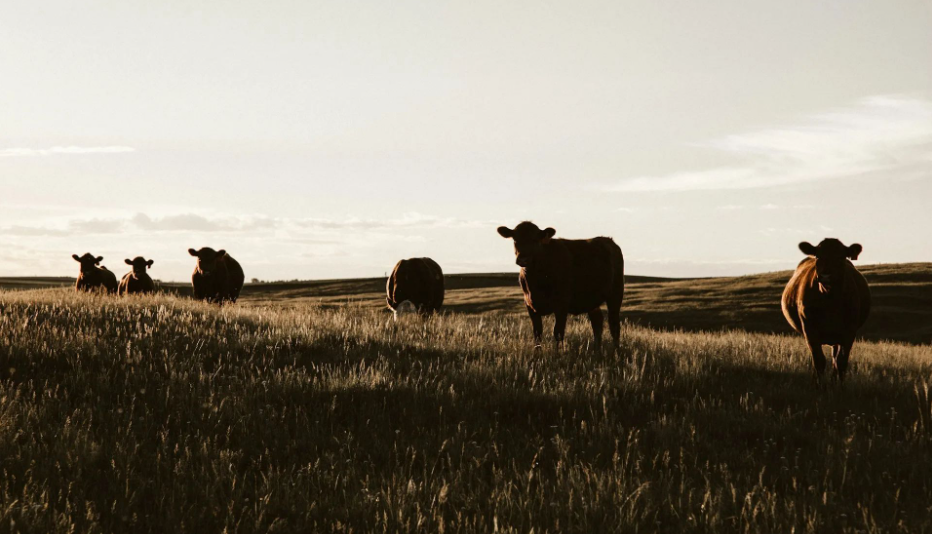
(818, 358)
(559, 327)
(596, 319)
(614, 321)
(538, 325)
(840, 357)
(836, 354)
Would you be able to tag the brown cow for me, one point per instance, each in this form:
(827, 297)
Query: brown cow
(92, 277)
(416, 284)
(137, 280)
(827, 300)
(563, 276)
(217, 276)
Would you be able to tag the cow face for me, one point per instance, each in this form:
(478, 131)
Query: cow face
(207, 258)
(831, 256)
(88, 262)
(139, 264)
(529, 241)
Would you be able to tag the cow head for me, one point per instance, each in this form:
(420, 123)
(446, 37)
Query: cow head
(207, 258)
(831, 256)
(139, 264)
(88, 261)
(529, 241)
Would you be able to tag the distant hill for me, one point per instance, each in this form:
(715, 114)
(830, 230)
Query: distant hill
(902, 299)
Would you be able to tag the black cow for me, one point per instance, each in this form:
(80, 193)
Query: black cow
(564, 276)
(416, 284)
(137, 280)
(92, 277)
(217, 277)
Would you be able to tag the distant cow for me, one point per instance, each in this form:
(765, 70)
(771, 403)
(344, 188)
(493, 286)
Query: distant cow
(563, 276)
(416, 284)
(827, 300)
(92, 277)
(137, 280)
(217, 276)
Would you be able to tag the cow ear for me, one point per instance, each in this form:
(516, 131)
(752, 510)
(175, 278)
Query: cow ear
(505, 232)
(100, 259)
(192, 252)
(221, 253)
(807, 248)
(150, 262)
(128, 262)
(76, 258)
(548, 233)
(854, 251)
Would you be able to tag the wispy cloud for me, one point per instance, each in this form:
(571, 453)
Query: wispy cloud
(766, 207)
(56, 150)
(190, 222)
(408, 220)
(888, 134)
(793, 231)
(244, 224)
(34, 231)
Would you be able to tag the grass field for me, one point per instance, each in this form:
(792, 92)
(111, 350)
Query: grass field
(307, 409)
(902, 299)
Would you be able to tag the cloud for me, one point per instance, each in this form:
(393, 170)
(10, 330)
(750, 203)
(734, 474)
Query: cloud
(190, 222)
(97, 226)
(243, 224)
(793, 231)
(55, 150)
(889, 134)
(408, 220)
(765, 207)
(33, 231)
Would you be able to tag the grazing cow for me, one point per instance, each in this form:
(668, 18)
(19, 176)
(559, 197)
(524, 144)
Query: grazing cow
(827, 300)
(563, 276)
(137, 280)
(416, 284)
(217, 276)
(92, 277)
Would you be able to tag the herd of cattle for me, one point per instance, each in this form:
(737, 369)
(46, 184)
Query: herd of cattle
(217, 276)
(827, 300)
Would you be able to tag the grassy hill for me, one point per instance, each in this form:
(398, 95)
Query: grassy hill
(902, 299)
(160, 414)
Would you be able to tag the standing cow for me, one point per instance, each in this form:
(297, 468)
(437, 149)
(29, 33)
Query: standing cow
(415, 284)
(137, 281)
(92, 277)
(827, 300)
(217, 276)
(563, 276)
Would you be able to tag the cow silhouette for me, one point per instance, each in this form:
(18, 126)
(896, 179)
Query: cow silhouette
(827, 300)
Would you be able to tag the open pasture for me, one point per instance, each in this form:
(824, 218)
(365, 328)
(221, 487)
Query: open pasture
(902, 299)
(301, 410)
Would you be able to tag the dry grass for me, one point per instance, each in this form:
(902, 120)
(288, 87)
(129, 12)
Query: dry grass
(158, 414)
(902, 299)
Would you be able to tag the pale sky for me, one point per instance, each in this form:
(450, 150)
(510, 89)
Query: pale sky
(330, 139)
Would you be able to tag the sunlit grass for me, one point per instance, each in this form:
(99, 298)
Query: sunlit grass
(166, 415)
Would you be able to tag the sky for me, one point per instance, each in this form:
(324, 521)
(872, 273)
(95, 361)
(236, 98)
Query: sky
(316, 139)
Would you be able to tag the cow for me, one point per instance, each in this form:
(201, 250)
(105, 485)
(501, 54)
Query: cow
(568, 276)
(416, 284)
(827, 300)
(137, 280)
(92, 277)
(217, 277)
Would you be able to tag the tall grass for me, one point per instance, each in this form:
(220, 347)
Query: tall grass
(159, 414)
